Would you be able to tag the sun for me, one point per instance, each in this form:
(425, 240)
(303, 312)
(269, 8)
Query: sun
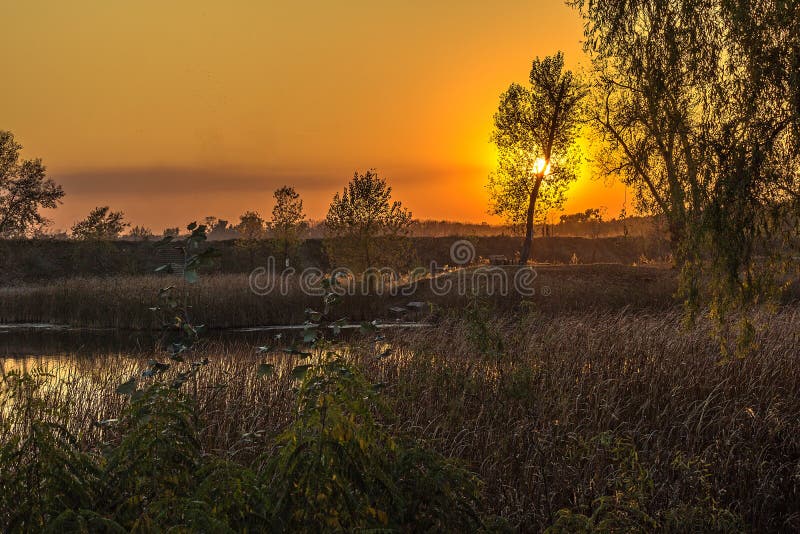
(540, 166)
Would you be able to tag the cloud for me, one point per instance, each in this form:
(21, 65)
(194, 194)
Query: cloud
(184, 180)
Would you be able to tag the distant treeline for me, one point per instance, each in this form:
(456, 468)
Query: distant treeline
(582, 224)
(52, 259)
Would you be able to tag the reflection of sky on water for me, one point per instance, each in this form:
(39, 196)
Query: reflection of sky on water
(26, 349)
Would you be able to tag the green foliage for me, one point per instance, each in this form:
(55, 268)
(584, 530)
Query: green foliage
(24, 189)
(629, 507)
(251, 229)
(288, 224)
(100, 224)
(338, 468)
(480, 332)
(329, 470)
(364, 228)
(179, 333)
(43, 472)
(696, 108)
(535, 131)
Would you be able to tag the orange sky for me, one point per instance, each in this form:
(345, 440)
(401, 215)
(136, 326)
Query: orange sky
(171, 111)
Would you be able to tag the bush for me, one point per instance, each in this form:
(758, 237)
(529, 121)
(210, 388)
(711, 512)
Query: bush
(336, 467)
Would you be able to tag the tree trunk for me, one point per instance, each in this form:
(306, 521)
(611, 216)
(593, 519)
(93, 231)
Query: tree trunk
(527, 245)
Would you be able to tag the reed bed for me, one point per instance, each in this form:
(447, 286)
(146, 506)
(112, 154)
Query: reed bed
(552, 413)
(226, 300)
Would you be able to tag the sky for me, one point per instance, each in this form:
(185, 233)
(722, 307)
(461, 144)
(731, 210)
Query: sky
(173, 111)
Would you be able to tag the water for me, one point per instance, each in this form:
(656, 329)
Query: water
(23, 346)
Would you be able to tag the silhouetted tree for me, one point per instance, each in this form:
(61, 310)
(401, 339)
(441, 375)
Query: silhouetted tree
(251, 229)
(535, 131)
(100, 224)
(24, 190)
(365, 228)
(218, 229)
(288, 224)
(171, 232)
(140, 233)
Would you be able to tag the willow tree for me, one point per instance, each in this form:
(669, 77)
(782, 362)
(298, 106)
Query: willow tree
(698, 102)
(535, 130)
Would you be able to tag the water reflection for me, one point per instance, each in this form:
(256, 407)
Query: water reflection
(28, 348)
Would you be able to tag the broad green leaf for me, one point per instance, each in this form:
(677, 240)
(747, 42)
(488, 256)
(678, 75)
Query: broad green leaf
(367, 327)
(299, 372)
(127, 388)
(309, 336)
(266, 369)
(191, 276)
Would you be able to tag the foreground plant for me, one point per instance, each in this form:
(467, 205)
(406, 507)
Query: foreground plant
(628, 506)
(338, 468)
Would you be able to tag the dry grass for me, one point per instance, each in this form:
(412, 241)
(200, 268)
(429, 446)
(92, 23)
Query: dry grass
(520, 400)
(224, 301)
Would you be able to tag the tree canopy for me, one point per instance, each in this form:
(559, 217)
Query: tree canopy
(251, 229)
(24, 190)
(697, 104)
(101, 223)
(365, 227)
(288, 224)
(535, 132)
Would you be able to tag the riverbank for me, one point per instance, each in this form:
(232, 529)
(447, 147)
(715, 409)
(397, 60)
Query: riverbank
(229, 301)
(49, 260)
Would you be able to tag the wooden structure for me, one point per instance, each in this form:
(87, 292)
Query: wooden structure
(172, 256)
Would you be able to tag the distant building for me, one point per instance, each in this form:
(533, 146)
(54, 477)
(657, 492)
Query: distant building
(173, 257)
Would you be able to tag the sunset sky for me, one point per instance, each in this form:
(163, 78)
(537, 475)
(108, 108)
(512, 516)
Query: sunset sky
(171, 111)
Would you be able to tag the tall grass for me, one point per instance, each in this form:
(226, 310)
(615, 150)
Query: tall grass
(572, 421)
(223, 301)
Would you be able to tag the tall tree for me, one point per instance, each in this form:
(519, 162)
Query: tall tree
(288, 224)
(365, 227)
(535, 130)
(698, 105)
(24, 190)
(100, 224)
(251, 229)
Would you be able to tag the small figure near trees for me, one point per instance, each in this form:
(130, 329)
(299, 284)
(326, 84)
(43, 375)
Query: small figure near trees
(24, 190)
(365, 228)
(535, 130)
(100, 224)
(288, 224)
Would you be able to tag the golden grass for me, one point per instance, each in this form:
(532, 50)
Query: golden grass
(225, 300)
(523, 414)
